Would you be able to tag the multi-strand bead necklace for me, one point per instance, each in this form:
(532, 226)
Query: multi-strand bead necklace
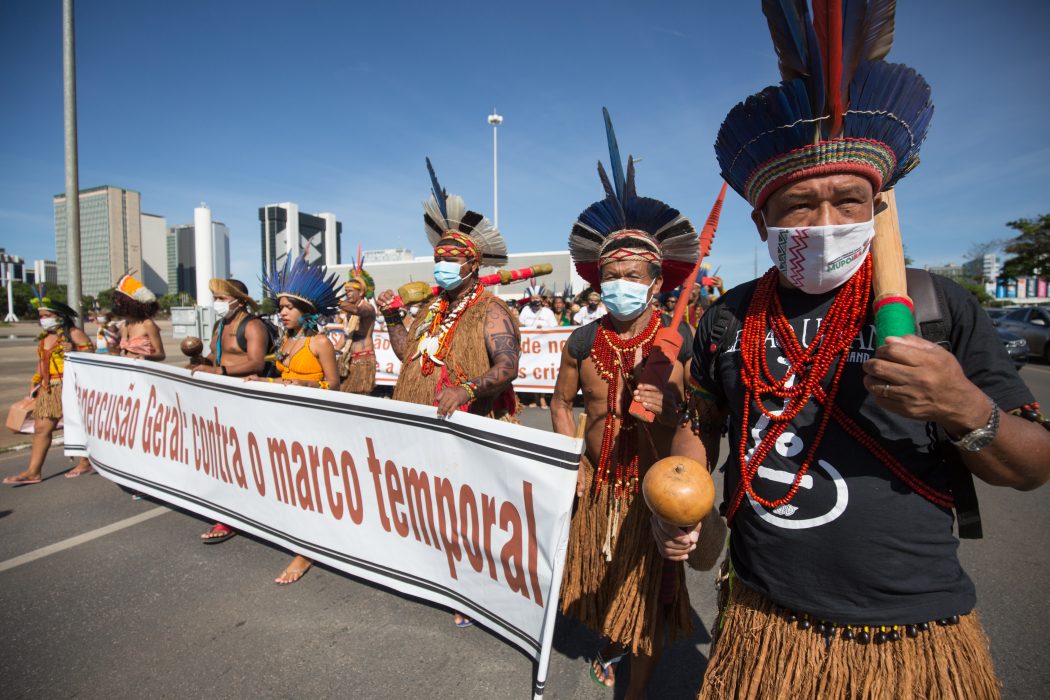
(831, 345)
(440, 323)
(614, 359)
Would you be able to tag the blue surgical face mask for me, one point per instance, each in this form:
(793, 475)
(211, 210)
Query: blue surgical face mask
(625, 300)
(446, 274)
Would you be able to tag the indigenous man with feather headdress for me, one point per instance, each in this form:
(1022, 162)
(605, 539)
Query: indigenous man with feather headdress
(357, 363)
(847, 455)
(616, 583)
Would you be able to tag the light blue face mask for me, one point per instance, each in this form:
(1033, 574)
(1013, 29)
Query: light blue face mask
(625, 300)
(446, 274)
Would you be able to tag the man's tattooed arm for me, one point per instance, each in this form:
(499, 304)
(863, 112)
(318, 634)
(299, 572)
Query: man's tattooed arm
(504, 346)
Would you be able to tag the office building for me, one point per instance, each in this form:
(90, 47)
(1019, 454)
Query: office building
(45, 271)
(155, 253)
(110, 237)
(285, 230)
(181, 257)
(951, 271)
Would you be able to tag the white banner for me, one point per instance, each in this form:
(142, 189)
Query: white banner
(467, 512)
(537, 367)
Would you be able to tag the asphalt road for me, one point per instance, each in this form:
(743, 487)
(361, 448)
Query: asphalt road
(145, 611)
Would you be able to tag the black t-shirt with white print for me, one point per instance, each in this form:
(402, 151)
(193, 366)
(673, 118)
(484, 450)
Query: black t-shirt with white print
(855, 545)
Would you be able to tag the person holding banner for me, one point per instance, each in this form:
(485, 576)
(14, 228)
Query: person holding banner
(848, 456)
(616, 583)
(359, 355)
(238, 349)
(305, 356)
(59, 336)
(462, 351)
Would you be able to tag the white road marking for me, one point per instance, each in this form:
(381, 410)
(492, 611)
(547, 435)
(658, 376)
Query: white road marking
(81, 539)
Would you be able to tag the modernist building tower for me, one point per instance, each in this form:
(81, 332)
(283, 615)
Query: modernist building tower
(285, 230)
(110, 236)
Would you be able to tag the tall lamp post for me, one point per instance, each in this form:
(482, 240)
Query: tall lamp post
(495, 120)
(69, 102)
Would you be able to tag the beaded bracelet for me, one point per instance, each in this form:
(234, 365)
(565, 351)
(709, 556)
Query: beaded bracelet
(391, 316)
(322, 384)
(471, 388)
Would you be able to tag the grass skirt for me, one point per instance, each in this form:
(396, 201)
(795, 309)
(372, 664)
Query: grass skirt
(49, 403)
(361, 376)
(760, 655)
(622, 597)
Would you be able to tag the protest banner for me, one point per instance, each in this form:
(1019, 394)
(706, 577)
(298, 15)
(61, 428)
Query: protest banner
(466, 512)
(537, 366)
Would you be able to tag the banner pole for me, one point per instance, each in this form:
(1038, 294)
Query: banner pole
(553, 595)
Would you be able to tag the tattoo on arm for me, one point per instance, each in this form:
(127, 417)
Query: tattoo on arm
(398, 339)
(504, 346)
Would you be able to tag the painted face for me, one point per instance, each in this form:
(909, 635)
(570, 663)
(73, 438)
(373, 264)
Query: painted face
(291, 317)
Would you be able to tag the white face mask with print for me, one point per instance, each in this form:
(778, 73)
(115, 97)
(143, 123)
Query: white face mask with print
(818, 259)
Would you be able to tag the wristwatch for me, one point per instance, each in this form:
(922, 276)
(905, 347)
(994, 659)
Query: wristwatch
(976, 440)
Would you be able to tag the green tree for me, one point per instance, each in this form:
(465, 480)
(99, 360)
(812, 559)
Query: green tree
(1030, 249)
(267, 307)
(169, 300)
(104, 300)
(977, 290)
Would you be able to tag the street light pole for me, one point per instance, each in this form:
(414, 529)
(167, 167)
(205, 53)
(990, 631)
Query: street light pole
(495, 120)
(69, 100)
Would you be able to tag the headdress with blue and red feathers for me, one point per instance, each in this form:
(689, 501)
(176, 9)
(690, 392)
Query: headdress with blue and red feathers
(306, 282)
(840, 107)
(624, 226)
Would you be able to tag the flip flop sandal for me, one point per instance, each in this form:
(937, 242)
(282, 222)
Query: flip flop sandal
(605, 665)
(464, 623)
(296, 574)
(218, 533)
(73, 473)
(19, 480)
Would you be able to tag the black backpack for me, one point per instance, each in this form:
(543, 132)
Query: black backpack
(273, 337)
(931, 315)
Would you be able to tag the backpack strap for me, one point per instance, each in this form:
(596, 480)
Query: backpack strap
(581, 341)
(934, 322)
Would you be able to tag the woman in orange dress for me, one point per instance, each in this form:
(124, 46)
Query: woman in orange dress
(139, 334)
(305, 356)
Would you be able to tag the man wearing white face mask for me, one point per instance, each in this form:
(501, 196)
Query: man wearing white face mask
(615, 581)
(843, 578)
(239, 344)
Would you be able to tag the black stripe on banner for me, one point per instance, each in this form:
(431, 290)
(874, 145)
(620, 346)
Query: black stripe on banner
(534, 451)
(301, 546)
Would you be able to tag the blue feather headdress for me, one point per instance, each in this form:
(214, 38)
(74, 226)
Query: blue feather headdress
(305, 282)
(446, 216)
(624, 221)
(839, 109)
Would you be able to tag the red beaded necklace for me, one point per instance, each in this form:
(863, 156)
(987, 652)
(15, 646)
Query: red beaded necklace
(809, 366)
(614, 359)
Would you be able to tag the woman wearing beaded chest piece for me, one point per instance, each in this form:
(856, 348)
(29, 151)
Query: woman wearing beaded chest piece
(615, 580)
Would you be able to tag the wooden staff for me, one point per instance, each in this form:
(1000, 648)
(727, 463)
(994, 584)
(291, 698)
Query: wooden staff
(668, 341)
(894, 311)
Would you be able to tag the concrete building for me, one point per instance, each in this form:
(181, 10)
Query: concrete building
(393, 274)
(181, 256)
(110, 236)
(386, 255)
(18, 267)
(285, 230)
(45, 271)
(155, 253)
(984, 269)
(951, 271)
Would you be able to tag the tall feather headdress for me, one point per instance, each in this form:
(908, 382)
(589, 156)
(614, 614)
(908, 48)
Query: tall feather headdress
(840, 108)
(360, 277)
(445, 213)
(304, 281)
(647, 223)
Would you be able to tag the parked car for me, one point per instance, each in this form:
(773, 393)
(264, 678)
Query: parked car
(1033, 324)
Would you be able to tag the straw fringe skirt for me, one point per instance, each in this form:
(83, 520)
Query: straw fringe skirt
(759, 655)
(623, 597)
(360, 377)
(49, 403)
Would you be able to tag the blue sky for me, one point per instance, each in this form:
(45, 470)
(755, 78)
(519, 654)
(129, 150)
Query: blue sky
(333, 105)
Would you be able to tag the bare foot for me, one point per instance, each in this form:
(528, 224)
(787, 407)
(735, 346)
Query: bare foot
(603, 669)
(218, 533)
(23, 479)
(80, 470)
(294, 571)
